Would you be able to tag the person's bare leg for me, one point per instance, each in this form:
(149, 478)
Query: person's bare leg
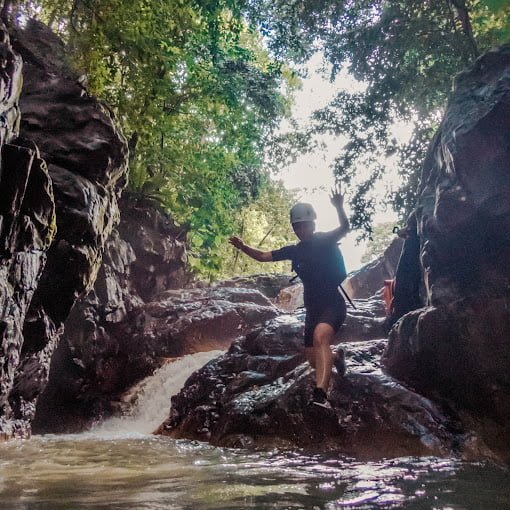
(310, 356)
(322, 338)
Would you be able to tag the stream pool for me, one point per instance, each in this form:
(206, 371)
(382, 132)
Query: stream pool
(139, 471)
(120, 465)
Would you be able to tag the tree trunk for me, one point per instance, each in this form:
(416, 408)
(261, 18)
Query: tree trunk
(465, 21)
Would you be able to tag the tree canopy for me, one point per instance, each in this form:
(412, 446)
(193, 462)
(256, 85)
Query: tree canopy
(195, 92)
(406, 53)
(265, 225)
(381, 237)
(200, 87)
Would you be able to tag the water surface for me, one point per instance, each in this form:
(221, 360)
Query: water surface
(119, 465)
(90, 471)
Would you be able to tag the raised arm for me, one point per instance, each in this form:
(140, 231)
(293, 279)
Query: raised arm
(254, 253)
(337, 199)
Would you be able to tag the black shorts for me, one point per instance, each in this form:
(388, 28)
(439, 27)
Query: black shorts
(332, 313)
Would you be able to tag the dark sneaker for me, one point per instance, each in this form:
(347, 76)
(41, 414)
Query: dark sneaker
(339, 362)
(320, 398)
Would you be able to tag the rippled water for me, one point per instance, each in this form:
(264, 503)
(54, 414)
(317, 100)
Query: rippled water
(120, 466)
(146, 472)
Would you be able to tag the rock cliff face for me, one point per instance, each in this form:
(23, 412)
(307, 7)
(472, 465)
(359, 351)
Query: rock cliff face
(457, 347)
(114, 338)
(63, 168)
(27, 229)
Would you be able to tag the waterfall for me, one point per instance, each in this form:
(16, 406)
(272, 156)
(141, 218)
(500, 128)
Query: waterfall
(153, 395)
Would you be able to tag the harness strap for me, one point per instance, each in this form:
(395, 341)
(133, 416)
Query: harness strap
(342, 291)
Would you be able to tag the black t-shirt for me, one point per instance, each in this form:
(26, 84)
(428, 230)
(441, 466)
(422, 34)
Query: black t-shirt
(312, 259)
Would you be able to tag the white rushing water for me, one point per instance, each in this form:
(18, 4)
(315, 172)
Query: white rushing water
(153, 396)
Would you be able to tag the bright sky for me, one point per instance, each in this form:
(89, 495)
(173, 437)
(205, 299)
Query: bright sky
(312, 174)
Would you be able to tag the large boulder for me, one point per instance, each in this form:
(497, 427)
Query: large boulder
(68, 168)
(258, 395)
(456, 348)
(27, 229)
(194, 320)
(102, 358)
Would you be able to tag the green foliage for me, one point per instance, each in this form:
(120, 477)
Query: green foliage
(263, 224)
(198, 92)
(406, 53)
(194, 83)
(494, 16)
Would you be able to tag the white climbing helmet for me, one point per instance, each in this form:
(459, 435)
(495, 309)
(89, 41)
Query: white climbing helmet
(302, 212)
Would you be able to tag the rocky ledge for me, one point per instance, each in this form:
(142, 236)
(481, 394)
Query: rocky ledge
(258, 394)
(95, 366)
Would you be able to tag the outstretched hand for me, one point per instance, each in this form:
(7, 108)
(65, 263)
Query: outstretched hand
(337, 197)
(236, 242)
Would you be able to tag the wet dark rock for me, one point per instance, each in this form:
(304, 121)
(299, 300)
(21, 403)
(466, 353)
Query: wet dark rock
(368, 280)
(363, 322)
(84, 141)
(456, 348)
(463, 209)
(159, 246)
(60, 181)
(86, 157)
(240, 399)
(103, 351)
(27, 228)
(281, 336)
(459, 355)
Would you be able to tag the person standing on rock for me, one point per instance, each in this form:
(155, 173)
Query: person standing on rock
(318, 262)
